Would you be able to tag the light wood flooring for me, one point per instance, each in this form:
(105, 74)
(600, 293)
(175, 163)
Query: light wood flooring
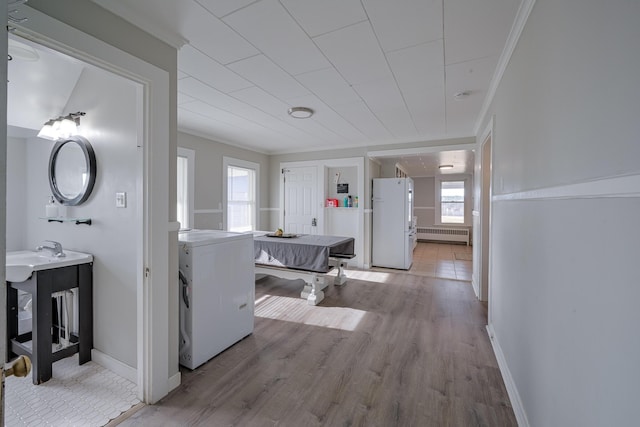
(389, 348)
(444, 260)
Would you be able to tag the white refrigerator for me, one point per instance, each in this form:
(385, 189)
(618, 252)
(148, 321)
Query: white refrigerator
(393, 231)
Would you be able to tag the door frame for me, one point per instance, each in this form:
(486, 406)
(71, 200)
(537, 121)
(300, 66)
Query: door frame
(486, 190)
(3, 208)
(153, 306)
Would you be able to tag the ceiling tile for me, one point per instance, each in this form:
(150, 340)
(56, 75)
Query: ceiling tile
(473, 76)
(256, 105)
(354, 51)
(400, 24)
(419, 73)
(264, 73)
(262, 100)
(474, 30)
(329, 86)
(269, 27)
(385, 101)
(361, 117)
(205, 32)
(268, 103)
(319, 17)
(398, 121)
(221, 8)
(330, 119)
(199, 124)
(381, 94)
(212, 113)
(205, 69)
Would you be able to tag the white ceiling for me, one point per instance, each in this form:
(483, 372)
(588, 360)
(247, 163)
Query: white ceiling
(428, 164)
(374, 71)
(40, 82)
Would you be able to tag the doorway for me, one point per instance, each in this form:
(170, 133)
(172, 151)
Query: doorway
(154, 366)
(56, 85)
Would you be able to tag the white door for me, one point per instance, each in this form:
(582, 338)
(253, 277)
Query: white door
(300, 200)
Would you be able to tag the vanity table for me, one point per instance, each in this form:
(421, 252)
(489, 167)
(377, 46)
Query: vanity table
(38, 344)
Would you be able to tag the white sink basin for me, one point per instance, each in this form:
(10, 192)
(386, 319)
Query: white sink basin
(21, 264)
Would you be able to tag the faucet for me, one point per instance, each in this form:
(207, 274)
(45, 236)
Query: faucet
(55, 249)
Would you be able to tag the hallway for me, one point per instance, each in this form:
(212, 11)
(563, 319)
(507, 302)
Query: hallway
(388, 348)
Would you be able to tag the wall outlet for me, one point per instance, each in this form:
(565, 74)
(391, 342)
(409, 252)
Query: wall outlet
(121, 200)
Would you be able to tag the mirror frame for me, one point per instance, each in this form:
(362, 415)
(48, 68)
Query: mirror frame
(90, 160)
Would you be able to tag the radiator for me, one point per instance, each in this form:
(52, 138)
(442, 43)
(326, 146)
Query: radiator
(444, 234)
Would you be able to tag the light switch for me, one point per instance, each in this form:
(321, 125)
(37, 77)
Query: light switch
(121, 200)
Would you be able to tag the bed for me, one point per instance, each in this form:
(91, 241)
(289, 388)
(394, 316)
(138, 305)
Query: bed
(304, 256)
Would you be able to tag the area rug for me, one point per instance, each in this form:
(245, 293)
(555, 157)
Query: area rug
(86, 395)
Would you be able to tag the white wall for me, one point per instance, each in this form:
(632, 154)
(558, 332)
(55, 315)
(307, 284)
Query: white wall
(425, 200)
(111, 127)
(16, 193)
(209, 179)
(563, 302)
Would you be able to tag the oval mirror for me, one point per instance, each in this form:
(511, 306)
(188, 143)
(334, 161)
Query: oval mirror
(72, 170)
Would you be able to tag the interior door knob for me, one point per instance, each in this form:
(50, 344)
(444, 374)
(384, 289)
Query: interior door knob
(21, 367)
(314, 222)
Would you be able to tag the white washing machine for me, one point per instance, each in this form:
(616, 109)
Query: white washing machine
(217, 292)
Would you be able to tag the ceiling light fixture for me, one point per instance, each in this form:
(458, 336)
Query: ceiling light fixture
(445, 167)
(300, 112)
(62, 127)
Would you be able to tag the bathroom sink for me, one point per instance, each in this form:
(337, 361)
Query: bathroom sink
(21, 264)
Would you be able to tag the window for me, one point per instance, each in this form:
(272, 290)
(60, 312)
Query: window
(185, 184)
(452, 202)
(241, 195)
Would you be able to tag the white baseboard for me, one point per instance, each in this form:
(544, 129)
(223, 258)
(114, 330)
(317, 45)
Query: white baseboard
(174, 381)
(114, 365)
(512, 391)
(126, 371)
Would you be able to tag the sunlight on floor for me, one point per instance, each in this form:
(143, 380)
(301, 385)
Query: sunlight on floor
(297, 310)
(369, 276)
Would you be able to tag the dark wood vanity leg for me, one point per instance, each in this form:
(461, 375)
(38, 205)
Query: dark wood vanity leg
(12, 318)
(41, 329)
(85, 297)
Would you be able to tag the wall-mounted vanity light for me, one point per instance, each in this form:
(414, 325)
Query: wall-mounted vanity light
(62, 127)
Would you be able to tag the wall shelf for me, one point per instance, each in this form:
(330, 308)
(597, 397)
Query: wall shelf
(86, 221)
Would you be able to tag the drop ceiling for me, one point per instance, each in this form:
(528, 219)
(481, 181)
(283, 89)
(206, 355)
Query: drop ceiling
(374, 71)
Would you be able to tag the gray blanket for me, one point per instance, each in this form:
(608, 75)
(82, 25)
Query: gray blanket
(304, 252)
